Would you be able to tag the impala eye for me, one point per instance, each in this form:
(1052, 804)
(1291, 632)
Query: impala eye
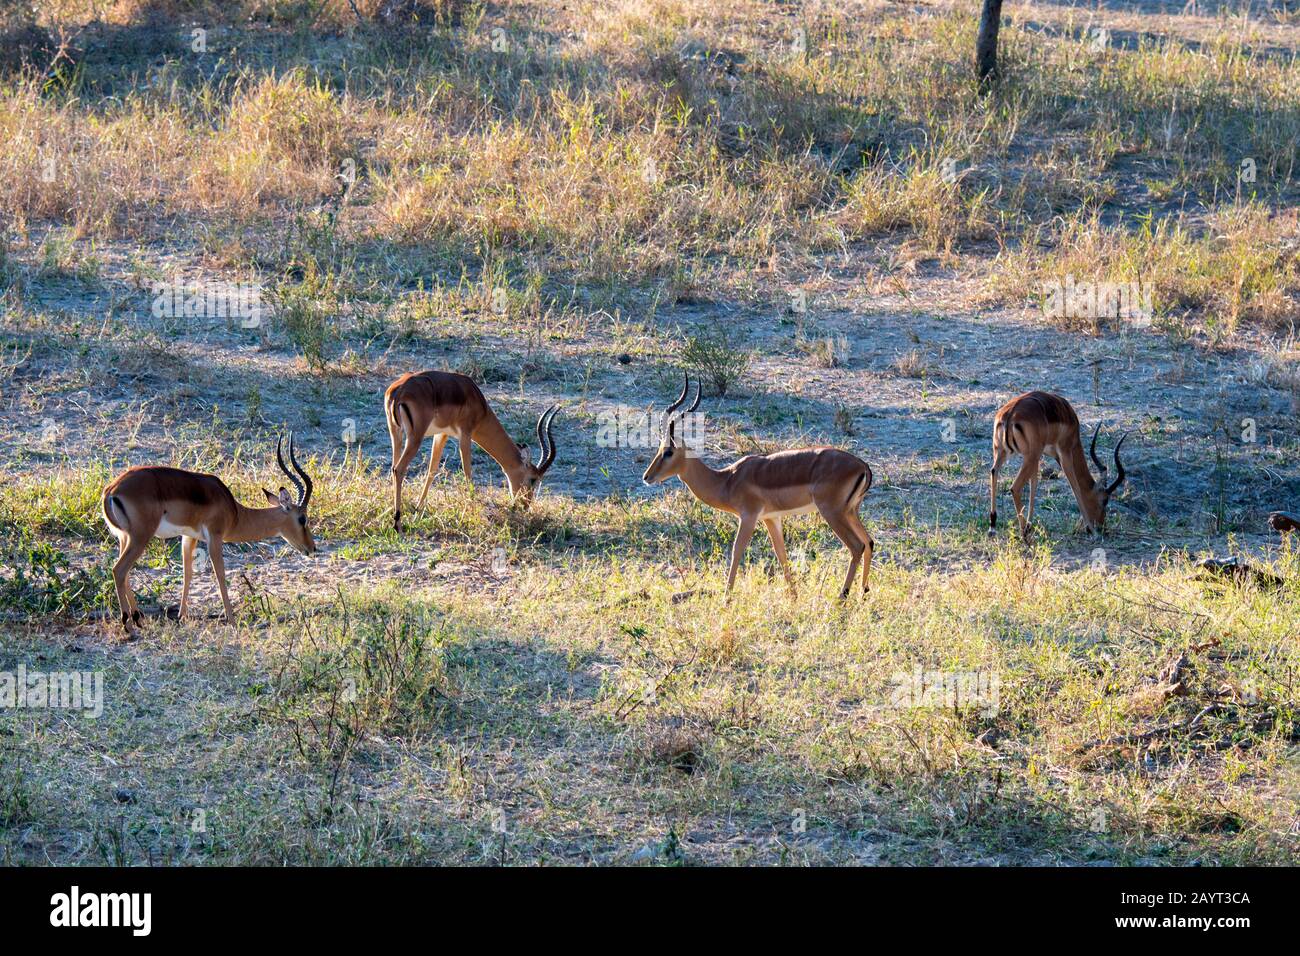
(668, 453)
(302, 520)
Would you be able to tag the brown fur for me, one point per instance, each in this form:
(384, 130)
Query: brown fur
(137, 502)
(181, 496)
(454, 405)
(1030, 425)
(827, 480)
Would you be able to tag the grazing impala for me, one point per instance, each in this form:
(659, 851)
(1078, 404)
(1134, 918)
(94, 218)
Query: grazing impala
(445, 404)
(1284, 521)
(146, 503)
(1039, 422)
(768, 488)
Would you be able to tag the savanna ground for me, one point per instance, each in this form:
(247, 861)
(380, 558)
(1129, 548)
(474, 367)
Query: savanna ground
(812, 206)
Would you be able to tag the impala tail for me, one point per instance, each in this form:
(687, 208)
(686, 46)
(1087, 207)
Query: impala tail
(859, 489)
(396, 410)
(110, 505)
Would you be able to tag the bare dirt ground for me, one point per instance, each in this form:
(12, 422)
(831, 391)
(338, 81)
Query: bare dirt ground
(918, 376)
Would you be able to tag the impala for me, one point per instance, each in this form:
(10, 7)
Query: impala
(148, 502)
(1284, 521)
(445, 404)
(768, 488)
(1038, 423)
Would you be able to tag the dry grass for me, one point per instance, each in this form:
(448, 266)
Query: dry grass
(653, 138)
(674, 714)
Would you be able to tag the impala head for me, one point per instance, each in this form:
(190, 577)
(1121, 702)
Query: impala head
(671, 457)
(295, 528)
(1094, 504)
(525, 479)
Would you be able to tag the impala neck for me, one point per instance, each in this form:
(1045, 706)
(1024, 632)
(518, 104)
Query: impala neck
(706, 484)
(256, 524)
(1087, 491)
(492, 437)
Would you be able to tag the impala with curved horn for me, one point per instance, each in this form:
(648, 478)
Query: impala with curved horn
(1038, 423)
(144, 503)
(768, 488)
(445, 404)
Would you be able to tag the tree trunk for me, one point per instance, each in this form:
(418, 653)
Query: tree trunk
(986, 46)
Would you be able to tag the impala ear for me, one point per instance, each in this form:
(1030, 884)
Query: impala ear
(283, 498)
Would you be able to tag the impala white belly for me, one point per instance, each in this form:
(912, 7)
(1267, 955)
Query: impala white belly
(806, 509)
(435, 430)
(168, 530)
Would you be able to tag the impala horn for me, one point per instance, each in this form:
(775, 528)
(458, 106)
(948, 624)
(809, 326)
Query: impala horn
(546, 440)
(1092, 450)
(301, 480)
(672, 419)
(668, 412)
(1119, 467)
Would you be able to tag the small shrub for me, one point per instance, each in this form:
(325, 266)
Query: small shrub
(828, 352)
(16, 800)
(717, 363)
(911, 364)
(304, 309)
(38, 580)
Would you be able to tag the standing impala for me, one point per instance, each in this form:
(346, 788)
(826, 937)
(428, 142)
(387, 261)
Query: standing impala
(1039, 422)
(445, 404)
(146, 503)
(768, 488)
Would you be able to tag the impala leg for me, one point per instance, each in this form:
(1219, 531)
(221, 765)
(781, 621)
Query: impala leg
(435, 460)
(744, 531)
(1027, 469)
(773, 526)
(466, 443)
(400, 465)
(1033, 492)
(129, 551)
(394, 432)
(843, 529)
(188, 545)
(999, 459)
(219, 572)
(855, 524)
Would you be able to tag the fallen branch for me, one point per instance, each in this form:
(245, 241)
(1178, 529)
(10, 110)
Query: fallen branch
(1242, 570)
(1126, 739)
